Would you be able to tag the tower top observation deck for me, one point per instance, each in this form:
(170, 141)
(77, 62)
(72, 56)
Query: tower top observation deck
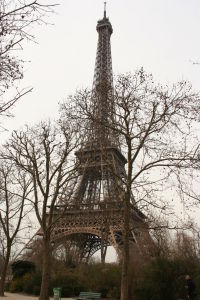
(104, 23)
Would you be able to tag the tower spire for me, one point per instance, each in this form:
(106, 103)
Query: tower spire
(105, 3)
(103, 82)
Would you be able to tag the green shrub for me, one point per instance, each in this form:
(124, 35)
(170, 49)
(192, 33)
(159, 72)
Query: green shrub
(7, 287)
(16, 285)
(68, 281)
(21, 267)
(161, 278)
(31, 283)
(92, 277)
(164, 278)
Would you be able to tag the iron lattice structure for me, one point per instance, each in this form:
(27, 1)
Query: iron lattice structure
(95, 219)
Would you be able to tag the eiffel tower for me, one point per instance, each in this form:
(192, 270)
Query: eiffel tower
(95, 219)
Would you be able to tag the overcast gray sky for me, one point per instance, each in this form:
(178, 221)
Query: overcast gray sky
(160, 35)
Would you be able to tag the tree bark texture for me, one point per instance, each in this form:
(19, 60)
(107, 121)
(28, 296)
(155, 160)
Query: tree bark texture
(46, 269)
(125, 258)
(4, 271)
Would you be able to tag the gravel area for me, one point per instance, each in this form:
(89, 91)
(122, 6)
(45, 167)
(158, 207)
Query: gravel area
(10, 296)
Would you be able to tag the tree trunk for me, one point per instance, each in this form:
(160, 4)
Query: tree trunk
(46, 269)
(4, 271)
(104, 247)
(103, 254)
(125, 258)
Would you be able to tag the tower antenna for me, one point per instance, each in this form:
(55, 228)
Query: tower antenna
(105, 3)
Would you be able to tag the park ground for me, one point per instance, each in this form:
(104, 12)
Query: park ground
(9, 296)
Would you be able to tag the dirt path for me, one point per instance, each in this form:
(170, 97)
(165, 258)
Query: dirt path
(9, 296)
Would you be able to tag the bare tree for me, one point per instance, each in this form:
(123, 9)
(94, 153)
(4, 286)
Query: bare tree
(156, 126)
(14, 189)
(16, 20)
(186, 243)
(45, 153)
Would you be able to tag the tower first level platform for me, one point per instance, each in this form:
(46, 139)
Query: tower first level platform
(89, 230)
